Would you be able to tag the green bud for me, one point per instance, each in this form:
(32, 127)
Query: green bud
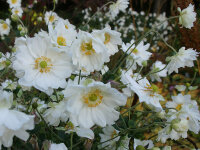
(19, 27)
(140, 147)
(155, 148)
(144, 63)
(168, 59)
(13, 49)
(188, 84)
(7, 63)
(34, 105)
(14, 17)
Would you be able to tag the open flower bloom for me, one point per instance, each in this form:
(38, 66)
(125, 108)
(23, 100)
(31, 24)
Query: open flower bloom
(115, 8)
(56, 113)
(109, 133)
(50, 17)
(12, 122)
(184, 58)
(186, 109)
(38, 64)
(60, 146)
(138, 53)
(93, 102)
(146, 92)
(187, 16)
(158, 65)
(88, 53)
(110, 38)
(174, 130)
(17, 11)
(4, 27)
(62, 35)
(14, 3)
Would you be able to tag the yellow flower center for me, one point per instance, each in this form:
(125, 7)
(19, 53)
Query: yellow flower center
(87, 48)
(43, 64)
(16, 11)
(179, 106)
(5, 26)
(13, 1)
(66, 27)
(152, 88)
(51, 18)
(61, 41)
(107, 38)
(93, 98)
(114, 133)
(135, 51)
(69, 126)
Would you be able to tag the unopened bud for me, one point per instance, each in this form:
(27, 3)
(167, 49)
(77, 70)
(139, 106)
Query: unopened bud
(140, 147)
(144, 63)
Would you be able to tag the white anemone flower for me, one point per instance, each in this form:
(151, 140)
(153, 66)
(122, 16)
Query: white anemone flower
(50, 17)
(144, 143)
(138, 53)
(88, 53)
(38, 64)
(93, 102)
(9, 84)
(56, 113)
(4, 27)
(187, 16)
(110, 38)
(187, 109)
(184, 58)
(146, 92)
(61, 35)
(109, 133)
(12, 122)
(60, 146)
(120, 5)
(14, 3)
(17, 11)
(158, 65)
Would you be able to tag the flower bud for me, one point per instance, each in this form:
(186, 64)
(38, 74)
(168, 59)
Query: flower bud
(180, 125)
(7, 63)
(14, 17)
(140, 147)
(19, 27)
(144, 63)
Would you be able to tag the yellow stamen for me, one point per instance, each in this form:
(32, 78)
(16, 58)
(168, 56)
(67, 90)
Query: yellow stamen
(114, 134)
(107, 38)
(87, 48)
(5, 26)
(66, 27)
(16, 11)
(135, 51)
(179, 106)
(93, 98)
(13, 1)
(51, 18)
(43, 64)
(61, 41)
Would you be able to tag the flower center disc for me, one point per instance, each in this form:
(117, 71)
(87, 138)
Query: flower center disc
(87, 48)
(13, 1)
(51, 18)
(61, 41)
(43, 64)
(107, 38)
(5, 26)
(93, 98)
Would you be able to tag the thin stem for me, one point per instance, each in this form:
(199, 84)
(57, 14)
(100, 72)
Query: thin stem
(195, 74)
(71, 141)
(79, 78)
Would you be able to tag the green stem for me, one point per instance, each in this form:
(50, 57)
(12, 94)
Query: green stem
(79, 78)
(71, 140)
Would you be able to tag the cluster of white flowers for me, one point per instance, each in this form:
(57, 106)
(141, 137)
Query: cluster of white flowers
(62, 71)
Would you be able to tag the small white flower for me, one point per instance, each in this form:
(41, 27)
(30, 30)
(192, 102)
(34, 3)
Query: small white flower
(38, 64)
(56, 113)
(146, 92)
(60, 146)
(9, 84)
(139, 53)
(143, 143)
(158, 65)
(88, 53)
(17, 11)
(61, 35)
(50, 17)
(12, 122)
(93, 102)
(182, 59)
(180, 88)
(4, 27)
(14, 3)
(109, 133)
(120, 5)
(187, 16)
(3, 59)
(110, 38)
